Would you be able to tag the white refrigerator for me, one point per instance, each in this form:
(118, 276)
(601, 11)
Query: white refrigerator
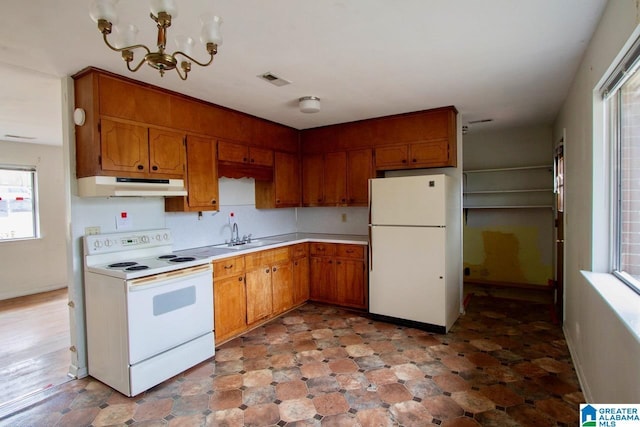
(415, 251)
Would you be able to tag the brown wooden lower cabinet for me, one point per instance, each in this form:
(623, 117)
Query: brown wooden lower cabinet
(300, 267)
(252, 289)
(338, 274)
(229, 298)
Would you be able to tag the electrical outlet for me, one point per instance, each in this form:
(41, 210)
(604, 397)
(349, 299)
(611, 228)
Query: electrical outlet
(92, 230)
(344, 217)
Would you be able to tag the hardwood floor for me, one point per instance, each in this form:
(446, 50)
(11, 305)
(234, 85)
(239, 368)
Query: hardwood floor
(34, 344)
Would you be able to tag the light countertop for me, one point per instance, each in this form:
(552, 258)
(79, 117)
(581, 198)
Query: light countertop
(216, 252)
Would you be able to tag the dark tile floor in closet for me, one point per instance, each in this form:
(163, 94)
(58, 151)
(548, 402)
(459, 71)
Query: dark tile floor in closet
(504, 363)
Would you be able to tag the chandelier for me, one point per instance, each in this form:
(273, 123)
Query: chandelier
(104, 14)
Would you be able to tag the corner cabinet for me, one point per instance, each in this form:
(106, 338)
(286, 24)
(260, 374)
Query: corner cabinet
(522, 187)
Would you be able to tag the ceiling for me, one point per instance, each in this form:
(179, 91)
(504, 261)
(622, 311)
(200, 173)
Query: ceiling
(510, 61)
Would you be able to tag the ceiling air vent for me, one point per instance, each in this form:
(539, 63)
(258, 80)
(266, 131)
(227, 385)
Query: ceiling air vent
(273, 79)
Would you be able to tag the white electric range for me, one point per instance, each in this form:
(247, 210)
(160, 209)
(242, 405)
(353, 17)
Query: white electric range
(149, 311)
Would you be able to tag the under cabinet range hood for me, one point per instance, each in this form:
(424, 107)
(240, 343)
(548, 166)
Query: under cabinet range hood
(108, 186)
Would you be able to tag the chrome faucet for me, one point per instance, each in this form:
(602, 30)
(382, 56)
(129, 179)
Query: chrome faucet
(234, 230)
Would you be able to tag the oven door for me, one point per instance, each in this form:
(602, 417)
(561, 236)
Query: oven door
(167, 310)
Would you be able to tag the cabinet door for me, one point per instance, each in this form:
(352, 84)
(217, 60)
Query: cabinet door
(260, 156)
(359, 170)
(124, 147)
(312, 179)
(259, 295)
(282, 287)
(202, 174)
(393, 156)
(350, 283)
(230, 307)
(232, 152)
(430, 153)
(166, 152)
(322, 279)
(300, 280)
(287, 179)
(335, 178)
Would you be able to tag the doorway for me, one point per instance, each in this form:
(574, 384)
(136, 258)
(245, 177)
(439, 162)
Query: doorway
(559, 226)
(34, 344)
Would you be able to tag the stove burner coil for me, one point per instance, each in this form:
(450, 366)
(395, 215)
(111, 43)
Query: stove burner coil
(182, 259)
(122, 264)
(137, 267)
(167, 256)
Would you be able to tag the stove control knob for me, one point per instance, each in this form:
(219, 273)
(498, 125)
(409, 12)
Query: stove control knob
(165, 236)
(144, 239)
(158, 238)
(97, 244)
(108, 243)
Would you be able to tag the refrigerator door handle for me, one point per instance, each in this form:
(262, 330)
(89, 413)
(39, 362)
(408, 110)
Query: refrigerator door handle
(370, 249)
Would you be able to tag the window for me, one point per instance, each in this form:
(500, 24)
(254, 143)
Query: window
(622, 100)
(18, 218)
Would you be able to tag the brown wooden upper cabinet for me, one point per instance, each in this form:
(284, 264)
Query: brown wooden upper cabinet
(240, 153)
(416, 155)
(138, 150)
(202, 178)
(284, 190)
(422, 139)
(337, 179)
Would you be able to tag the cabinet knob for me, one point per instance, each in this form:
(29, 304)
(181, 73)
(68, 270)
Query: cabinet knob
(252, 160)
(414, 161)
(338, 262)
(295, 263)
(343, 199)
(278, 201)
(330, 262)
(240, 279)
(404, 161)
(213, 202)
(226, 267)
(155, 168)
(244, 159)
(140, 167)
(267, 270)
(274, 269)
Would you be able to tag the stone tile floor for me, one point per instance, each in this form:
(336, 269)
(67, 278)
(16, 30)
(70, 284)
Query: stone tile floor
(503, 364)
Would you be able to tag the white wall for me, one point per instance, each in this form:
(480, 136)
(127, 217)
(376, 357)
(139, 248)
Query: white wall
(37, 265)
(605, 351)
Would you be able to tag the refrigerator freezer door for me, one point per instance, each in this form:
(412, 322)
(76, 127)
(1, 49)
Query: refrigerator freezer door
(411, 200)
(407, 273)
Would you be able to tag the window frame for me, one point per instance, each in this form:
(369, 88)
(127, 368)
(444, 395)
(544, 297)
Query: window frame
(613, 117)
(35, 220)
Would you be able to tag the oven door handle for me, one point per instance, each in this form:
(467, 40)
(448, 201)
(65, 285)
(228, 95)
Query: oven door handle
(136, 285)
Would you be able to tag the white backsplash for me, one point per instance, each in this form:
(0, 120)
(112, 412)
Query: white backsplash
(330, 220)
(191, 230)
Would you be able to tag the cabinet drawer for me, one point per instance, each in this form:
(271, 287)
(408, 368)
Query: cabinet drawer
(322, 249)
(300, 250)
(351, 251)
(266, 258)
(228, 267)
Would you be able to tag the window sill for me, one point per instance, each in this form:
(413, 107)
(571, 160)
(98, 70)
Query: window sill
(624, 302)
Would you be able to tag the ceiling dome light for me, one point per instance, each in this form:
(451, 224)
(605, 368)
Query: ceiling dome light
(309, 104)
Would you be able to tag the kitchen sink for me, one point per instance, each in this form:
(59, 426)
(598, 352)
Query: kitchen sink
(252, 244)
